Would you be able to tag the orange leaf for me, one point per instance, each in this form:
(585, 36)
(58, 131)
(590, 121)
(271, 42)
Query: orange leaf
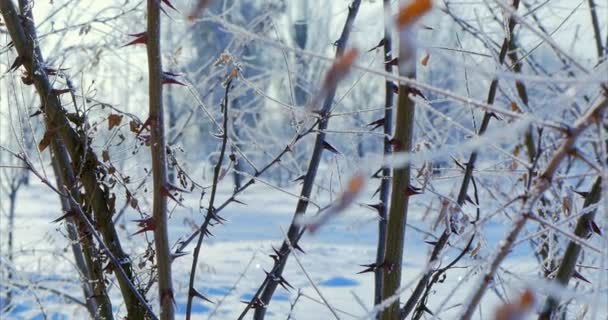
(341, 67)
(515, 107)
(411, 12)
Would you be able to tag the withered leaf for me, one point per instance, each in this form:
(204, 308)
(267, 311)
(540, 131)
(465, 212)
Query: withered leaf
(114, 120)
(46, 140)
(105, 155)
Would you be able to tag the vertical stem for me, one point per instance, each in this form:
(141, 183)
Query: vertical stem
(568, 263)
(596, 28)
(270, 283)
(397, 214)
(91, 270)
(159, 162)
(385, 184)
(12, 198)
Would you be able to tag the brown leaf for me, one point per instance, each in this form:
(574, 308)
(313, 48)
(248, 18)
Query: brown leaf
(133, 203)
(515, 108)
(105, 155)
(133, 126)
(46, 140)
(425, 59)
(114, 120)
(198, 9)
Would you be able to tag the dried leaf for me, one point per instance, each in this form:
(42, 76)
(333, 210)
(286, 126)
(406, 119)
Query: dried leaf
(46, 140)
(114, 120)
(105, 155)
(425, 59)
(198, 9)
(412, 12)
(516, 310)
(515, 107)
(133, 126)
(352, 191)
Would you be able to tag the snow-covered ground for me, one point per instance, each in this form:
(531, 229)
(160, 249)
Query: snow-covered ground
(232, 262)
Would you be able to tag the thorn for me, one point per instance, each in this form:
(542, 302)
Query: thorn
(282, 282)
(329, 147)
(583, 194)
(169, 4)
(147, 224)
(16, 64)
(430, 242)
(36, 113)
(376, 124)
(395, 88)
(460, 165)
(297, 247)
(52, 71)
(494, 115)
(377, 175)
(178, 254)
(372, 267)
(392, 62)
(145, 125)
(256, 303)
(379, 45)
(238, 201)
(377, 191)
(207, 233)
(67, 214)
(216, 217)
(411, 191)
(167, 193)
(579, 276)
(276, 256)
(594, 227)
(467, 198)
(426, 309)
(378, 207)
(195, 293)
(300, 178)
(140, 38)
(416, 92)
(169, 78)
(60, 91)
